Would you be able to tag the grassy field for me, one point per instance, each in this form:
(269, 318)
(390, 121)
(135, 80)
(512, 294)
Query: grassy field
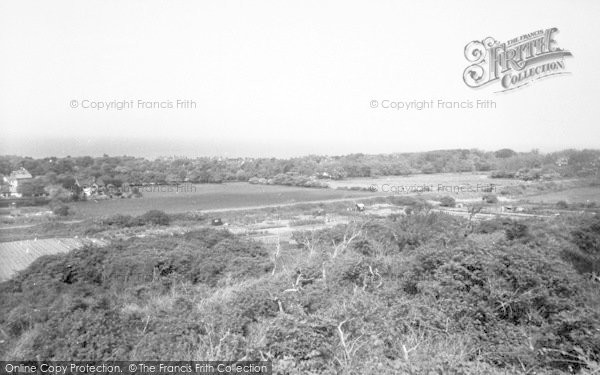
(210, 197)
(439, 183)
(576, 195)
(203, 197)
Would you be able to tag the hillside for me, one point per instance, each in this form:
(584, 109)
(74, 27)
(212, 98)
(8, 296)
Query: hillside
(420, 293)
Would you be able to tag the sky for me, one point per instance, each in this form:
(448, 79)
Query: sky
(274, 78)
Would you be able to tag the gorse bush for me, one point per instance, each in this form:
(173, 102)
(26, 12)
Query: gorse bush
(67, 303)
(153, 217)
(586, 256)
(587, 235)
(490, 198)
(447, 202)
(60, 209)
(415, 295)
(491, 226)
(516, 230)
(121, 221)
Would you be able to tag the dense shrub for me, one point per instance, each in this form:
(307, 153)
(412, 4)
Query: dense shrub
(490, 226)
(309, 343)
(490, 198)
(503, 174)
(411, 296)
(67, 301)
(587, 235)
(404, 200)
(447, 202)
(501, 289)
(529, 174)
(205, 256)
(122, 221)
(208, 238)
(290, 179)
(516, 231)
(586, 256)
(60, 209)
(155, 217)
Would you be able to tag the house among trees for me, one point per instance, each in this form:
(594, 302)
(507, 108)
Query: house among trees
(562, 162)
(88, 186)
(14, 179)
(4, 189)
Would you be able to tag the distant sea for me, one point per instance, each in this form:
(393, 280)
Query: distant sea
(194, 146)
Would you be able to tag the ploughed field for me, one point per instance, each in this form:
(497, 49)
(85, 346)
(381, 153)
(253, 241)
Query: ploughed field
(199, 197)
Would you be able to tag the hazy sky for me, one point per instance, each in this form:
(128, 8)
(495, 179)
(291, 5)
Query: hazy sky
(283, 78)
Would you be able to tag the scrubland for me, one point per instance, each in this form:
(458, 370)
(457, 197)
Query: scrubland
(423, 293)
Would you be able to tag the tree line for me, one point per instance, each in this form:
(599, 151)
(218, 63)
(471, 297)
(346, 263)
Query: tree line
(69, 172)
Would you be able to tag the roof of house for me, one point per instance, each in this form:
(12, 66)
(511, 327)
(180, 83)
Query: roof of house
(20, 174)
(85, 181)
